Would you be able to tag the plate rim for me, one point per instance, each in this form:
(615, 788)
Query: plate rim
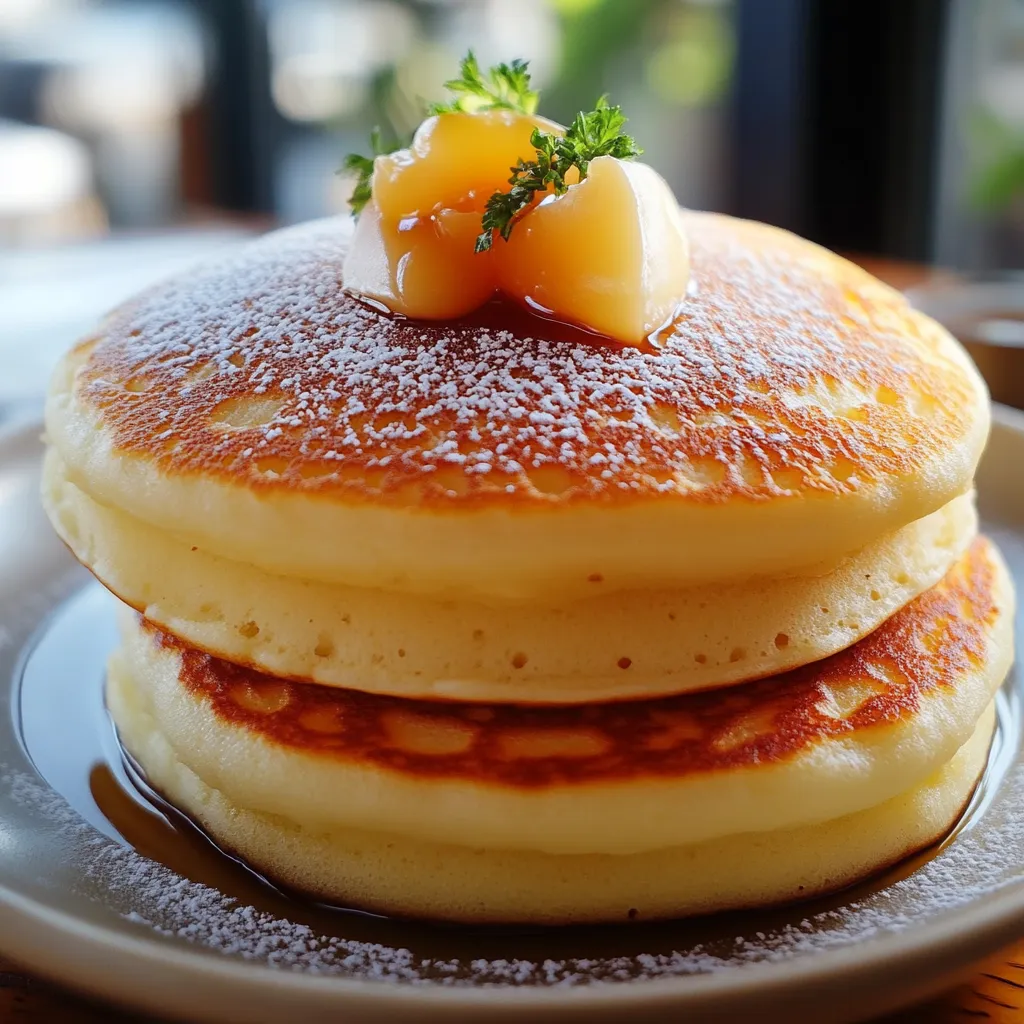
(29, 929)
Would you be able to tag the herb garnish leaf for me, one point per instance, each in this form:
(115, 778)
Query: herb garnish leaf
(362, 167)
(592, 134)
(503, 87)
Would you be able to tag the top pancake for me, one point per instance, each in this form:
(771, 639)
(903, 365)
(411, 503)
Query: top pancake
(796, 410)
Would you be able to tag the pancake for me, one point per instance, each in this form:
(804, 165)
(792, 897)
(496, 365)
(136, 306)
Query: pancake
(825, 741)
(623, 645)
(795, 412)
(398, 876)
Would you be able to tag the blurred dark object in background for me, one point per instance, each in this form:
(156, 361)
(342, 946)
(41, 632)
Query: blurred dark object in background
(888, 128)
(838, 109)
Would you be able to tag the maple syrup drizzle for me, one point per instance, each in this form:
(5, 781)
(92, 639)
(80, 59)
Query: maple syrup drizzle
(529, 320)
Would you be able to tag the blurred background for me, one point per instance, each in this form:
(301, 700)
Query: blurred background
(139, 135)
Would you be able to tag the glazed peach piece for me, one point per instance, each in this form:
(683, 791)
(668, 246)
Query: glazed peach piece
(414, 244)
(456, 162)
(421, 267)
(610, 254)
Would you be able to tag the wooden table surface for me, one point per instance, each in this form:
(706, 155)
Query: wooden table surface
(995, 994)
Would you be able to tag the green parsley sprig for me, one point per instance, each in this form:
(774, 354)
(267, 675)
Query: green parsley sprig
(591, 134)
(503, 87)
(362, 167)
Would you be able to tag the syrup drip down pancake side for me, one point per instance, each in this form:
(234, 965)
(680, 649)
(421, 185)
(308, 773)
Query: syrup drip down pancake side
(823, 742)
(796, 411)
(622, 645)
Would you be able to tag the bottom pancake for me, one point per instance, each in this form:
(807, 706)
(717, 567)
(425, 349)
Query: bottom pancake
(397, 875)
(752, 795)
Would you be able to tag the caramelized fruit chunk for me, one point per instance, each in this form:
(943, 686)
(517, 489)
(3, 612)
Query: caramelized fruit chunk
(610, 254)
(423, 267)
(456, 161)
(413, 248)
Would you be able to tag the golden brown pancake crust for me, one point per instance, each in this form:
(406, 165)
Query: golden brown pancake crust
(928, 645)
(351, 402)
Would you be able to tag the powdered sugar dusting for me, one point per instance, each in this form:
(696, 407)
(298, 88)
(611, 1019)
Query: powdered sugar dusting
(785, 369)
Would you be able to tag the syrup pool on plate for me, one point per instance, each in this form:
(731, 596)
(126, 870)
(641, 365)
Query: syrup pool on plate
(68, 736)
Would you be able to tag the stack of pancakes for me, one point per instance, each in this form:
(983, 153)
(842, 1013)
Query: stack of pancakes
(451, 621)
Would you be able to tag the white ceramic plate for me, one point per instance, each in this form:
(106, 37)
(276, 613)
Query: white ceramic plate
(100, 891)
